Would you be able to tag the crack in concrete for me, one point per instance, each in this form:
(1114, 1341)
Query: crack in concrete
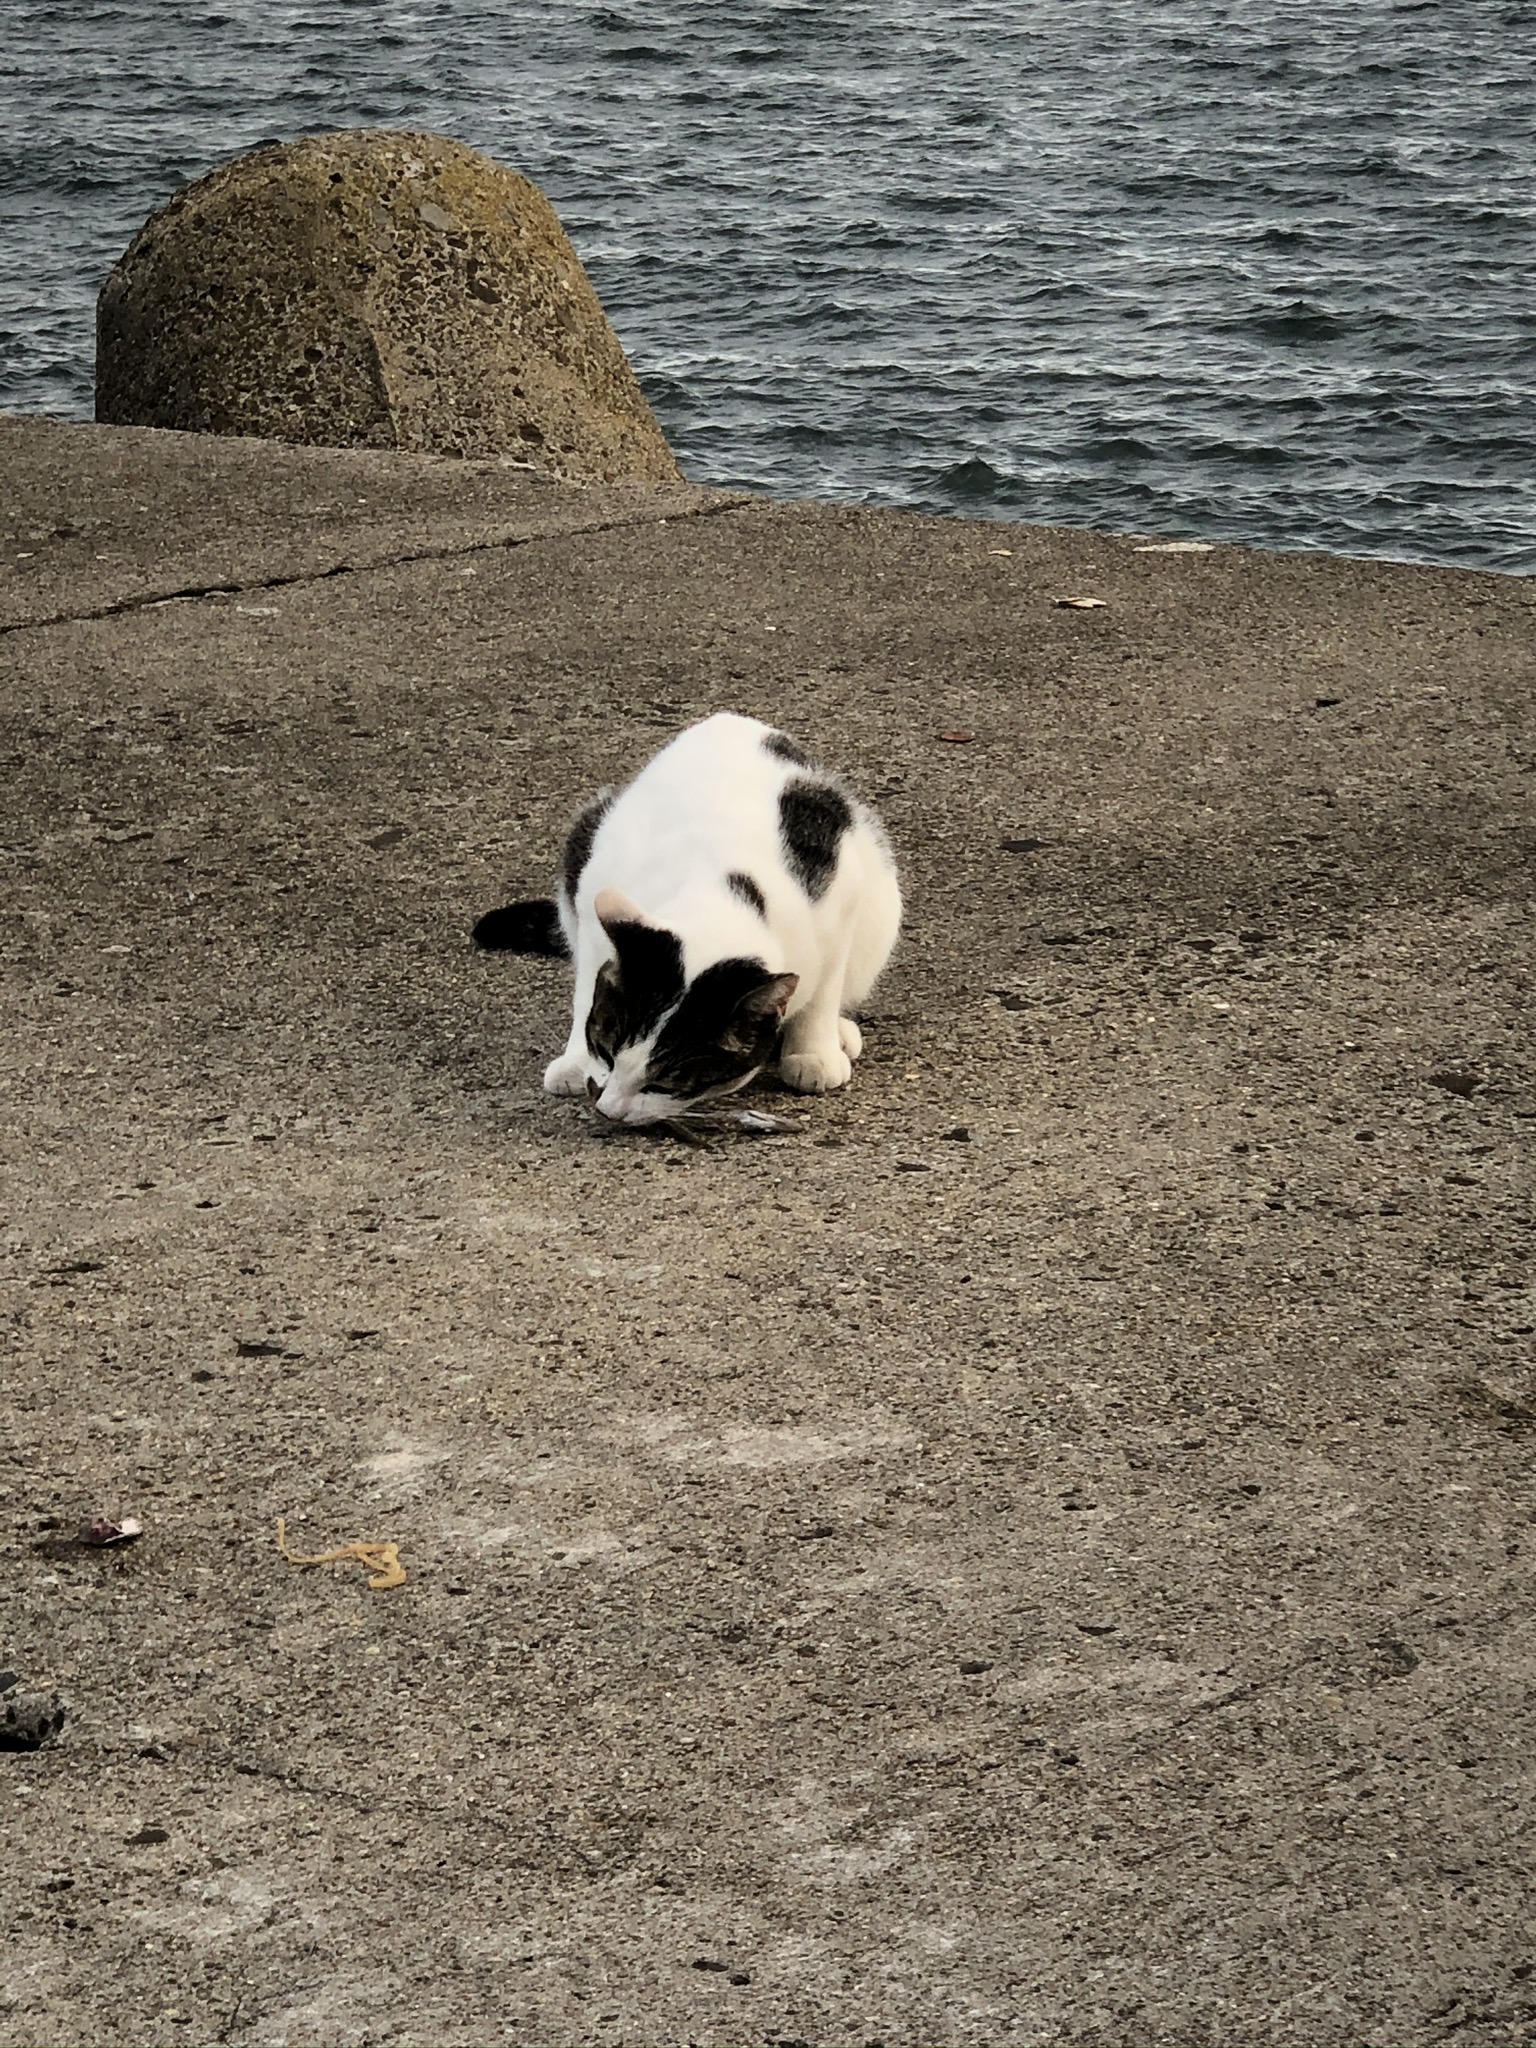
(192, 592)
(539, 1852)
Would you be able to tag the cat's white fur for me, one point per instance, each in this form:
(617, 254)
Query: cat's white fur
(705, 806)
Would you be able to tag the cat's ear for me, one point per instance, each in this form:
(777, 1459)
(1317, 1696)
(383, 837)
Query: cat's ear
(614, 907)
(769, 999)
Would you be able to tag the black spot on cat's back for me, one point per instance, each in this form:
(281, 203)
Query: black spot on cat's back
(813, 816)
(743, 886)
(783, 748)
(578, 844)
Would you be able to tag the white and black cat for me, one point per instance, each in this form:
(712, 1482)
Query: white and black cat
(723, 909)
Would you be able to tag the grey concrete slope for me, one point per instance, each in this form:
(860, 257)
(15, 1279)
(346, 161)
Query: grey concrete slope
(1042, 1554)
(96, 520)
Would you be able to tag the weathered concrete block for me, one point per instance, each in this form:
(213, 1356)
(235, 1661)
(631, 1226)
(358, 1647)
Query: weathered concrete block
(375, 290)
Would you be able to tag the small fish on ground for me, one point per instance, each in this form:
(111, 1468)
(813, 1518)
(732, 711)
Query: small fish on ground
(697, 1126)
(757, 1123)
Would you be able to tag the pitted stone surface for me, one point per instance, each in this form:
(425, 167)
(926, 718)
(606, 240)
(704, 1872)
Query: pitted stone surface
(376, 290)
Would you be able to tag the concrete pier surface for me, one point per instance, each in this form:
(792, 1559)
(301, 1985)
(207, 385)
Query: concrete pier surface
(1041, 1553)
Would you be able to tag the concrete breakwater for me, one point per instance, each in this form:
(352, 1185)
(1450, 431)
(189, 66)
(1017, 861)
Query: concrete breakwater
(1040, 1554)
(376, 290)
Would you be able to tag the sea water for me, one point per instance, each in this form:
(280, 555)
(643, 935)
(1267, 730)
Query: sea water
(1220, 271)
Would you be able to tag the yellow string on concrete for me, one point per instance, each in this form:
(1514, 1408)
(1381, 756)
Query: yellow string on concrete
(382, 1559)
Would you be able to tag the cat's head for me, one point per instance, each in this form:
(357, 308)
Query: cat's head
(659, 1043)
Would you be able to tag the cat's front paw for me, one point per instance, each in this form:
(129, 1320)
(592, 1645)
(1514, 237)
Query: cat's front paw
(850, 1036)
(566, 1075)
(814, 1073)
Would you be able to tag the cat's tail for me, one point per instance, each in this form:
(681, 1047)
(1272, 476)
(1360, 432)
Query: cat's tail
(531, 927)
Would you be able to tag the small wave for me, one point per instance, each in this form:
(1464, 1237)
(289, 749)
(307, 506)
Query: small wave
(808, 434)
(944, 202)
(1247, 455)
(1118, 448)
(826, 313)
(974, 479)
(1297, 322)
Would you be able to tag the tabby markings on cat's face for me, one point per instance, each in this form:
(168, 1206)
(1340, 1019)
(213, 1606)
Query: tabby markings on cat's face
(660, 1045)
